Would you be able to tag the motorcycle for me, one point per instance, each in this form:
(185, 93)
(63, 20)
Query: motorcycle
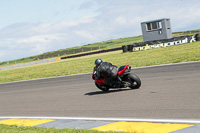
(125, 77)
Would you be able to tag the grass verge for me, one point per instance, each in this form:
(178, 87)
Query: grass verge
(22, 129)
(173, 54)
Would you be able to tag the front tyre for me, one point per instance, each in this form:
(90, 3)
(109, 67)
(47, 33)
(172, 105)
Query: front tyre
(102, 87)
(135, 81)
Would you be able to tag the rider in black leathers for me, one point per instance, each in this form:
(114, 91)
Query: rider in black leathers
(107, 70)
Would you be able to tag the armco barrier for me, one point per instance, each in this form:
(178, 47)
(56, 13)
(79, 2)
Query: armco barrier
(161, 43)
(29, 63)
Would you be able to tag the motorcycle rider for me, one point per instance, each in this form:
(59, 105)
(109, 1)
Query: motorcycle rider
(108, 71)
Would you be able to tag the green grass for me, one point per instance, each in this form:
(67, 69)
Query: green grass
(21, 129)
(173, 54)
(184, 33)
(118, 42)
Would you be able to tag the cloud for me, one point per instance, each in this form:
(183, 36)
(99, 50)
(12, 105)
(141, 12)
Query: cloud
(87, 5)
(37, 38)
(114, 19)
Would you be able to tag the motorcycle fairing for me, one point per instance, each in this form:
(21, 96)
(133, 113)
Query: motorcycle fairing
(122, 69)
(100, 81)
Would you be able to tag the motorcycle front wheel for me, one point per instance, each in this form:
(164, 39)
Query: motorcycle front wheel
(135, 81)
(102, 87)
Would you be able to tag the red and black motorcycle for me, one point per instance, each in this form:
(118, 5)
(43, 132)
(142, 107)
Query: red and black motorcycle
(126, 78)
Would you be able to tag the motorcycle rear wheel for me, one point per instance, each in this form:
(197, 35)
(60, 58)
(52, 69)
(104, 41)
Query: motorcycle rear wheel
(135, 81)
(102, 87)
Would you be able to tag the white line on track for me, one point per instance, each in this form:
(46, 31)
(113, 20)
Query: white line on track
(108, 119)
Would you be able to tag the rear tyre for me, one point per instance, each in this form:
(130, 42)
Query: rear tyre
(102, 87)
(135, 81)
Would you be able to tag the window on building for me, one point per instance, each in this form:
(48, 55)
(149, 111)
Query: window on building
(148, 26)
(153, 25)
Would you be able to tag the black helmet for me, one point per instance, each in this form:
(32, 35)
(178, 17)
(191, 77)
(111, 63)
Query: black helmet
(98, 62)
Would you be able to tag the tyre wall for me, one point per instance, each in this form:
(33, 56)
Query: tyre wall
(161, 43)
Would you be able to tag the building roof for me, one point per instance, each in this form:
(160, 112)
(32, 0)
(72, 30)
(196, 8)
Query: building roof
(155, 20)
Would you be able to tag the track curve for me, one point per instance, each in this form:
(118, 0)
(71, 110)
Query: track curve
(167, 92)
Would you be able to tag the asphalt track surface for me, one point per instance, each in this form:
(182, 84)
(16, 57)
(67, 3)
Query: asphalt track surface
(167, 92)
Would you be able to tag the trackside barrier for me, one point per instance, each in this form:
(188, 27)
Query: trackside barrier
(124, 48)
(90, 53)
(198, 37)
(161, 43)
(29, 63)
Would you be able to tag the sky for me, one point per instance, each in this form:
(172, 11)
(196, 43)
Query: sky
(32, 27)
